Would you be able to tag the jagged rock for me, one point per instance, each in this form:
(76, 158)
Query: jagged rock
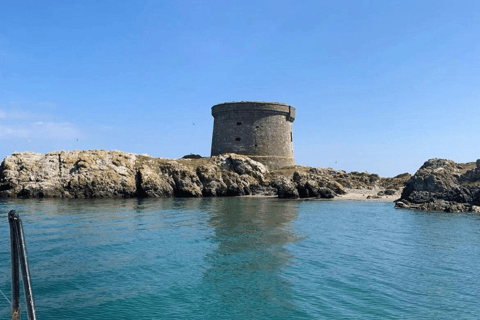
(475, 209)
(296, 176)
(401, 205)
(100, 173)
(79, 174)
(443, 185)
(326, 193)
(390, 192)
(317, 183)
(154, 184)
(186, 182)
(286, 189)
(242, 165)
(211, 178)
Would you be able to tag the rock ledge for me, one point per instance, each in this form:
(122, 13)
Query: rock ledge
(110, 174)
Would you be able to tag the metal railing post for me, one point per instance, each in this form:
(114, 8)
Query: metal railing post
(21, 254)
(15, 267)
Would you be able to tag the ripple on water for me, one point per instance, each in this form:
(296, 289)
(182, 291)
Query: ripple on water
(238, 258)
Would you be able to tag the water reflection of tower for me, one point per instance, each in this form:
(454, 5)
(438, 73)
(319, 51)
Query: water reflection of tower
(245, 271)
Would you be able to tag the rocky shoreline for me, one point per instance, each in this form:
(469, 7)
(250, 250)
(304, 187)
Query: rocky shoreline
(443, 185)
(439, 185)
(114, 174)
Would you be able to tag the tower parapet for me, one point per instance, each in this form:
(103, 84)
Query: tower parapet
(259, 130)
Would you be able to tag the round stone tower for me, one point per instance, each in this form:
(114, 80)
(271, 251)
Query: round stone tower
(260, 130)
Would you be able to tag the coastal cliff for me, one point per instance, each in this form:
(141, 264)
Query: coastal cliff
(110, 174)
(443, 185)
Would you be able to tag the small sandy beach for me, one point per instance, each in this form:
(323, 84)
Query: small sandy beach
(367, 195)
(352, 194)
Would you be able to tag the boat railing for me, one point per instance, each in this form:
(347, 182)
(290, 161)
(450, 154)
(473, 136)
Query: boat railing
(20, 261)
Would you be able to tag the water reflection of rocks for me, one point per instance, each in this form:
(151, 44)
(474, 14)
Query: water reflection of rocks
(246, 268)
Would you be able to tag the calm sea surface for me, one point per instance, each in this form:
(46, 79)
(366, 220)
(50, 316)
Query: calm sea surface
(244, 258)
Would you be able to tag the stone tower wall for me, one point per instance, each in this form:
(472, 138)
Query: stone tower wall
(260, 130)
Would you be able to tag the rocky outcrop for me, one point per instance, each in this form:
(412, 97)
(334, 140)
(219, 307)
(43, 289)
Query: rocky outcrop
(317, 183)
(326, 183)
(75, 174)
(100, 174)
(443, 185)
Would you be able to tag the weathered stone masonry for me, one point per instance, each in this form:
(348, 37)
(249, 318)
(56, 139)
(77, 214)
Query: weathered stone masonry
(260, 130)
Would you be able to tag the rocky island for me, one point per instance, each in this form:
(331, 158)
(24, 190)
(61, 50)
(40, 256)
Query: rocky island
(443, 185)
(110, 174)
(439, 185)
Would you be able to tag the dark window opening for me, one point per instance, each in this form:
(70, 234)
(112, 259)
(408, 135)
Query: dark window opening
(239, 123)
(257, 127)
(291, 136)
(238, 139)
(256, 145)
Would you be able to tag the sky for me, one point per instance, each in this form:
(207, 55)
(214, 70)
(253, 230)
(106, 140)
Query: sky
(379, 86)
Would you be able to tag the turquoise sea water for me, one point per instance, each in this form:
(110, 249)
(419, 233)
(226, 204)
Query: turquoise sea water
(244, 258)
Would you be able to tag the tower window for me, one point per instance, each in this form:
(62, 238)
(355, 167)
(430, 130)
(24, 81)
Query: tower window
(291, 136)
(238, 139)
(239, 123)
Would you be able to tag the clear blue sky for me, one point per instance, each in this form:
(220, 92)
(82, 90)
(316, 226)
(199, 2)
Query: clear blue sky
(379, 86)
